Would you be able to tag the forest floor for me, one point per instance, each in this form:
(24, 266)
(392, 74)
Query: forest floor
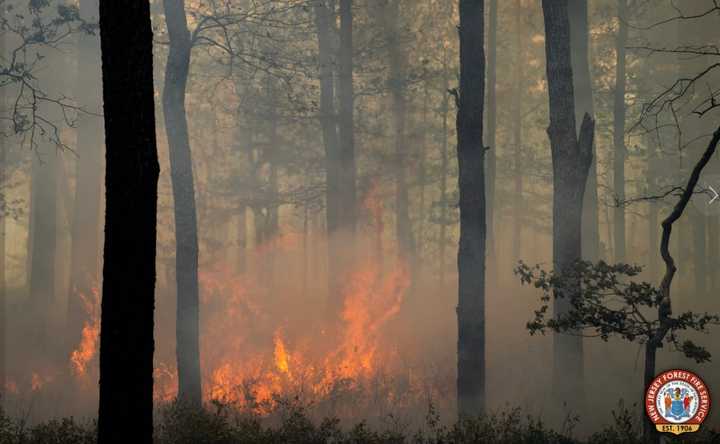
(218, 424)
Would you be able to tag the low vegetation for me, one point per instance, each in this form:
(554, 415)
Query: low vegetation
(219, 424)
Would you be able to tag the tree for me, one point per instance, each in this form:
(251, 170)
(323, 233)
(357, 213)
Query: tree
(611, 304)
(128, 300)
(181, 170)
(571, 159)
(471, 184)
(84, 269)
(491, 121)
(342, 238)
(619, 133)
(582, 84)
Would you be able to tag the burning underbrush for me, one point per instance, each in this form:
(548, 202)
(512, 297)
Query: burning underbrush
(266, 338)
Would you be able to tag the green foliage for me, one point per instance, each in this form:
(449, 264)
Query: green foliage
(605, 301)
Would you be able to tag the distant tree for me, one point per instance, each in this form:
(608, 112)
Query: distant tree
(128, 300)
(85, 248)
(471, 183)
(619, 154)
(582, 84)
(609, 303)
(181, 170)
(571, 159)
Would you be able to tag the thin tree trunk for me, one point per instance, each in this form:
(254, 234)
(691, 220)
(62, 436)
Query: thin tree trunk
(572, 158)
(324, 17)
(619, 133)
(181, 171)
(126, 332)
(582, 84)
(491, 140)
(473, 224)
(85, 248)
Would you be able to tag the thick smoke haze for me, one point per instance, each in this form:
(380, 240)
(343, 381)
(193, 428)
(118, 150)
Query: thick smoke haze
(317, 144)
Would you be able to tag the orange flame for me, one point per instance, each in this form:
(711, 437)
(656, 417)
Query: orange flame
(87, 349)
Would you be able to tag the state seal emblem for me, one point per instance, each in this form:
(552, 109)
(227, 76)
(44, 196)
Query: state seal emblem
(677, 401)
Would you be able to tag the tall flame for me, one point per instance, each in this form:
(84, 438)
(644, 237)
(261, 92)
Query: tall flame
(87, 349)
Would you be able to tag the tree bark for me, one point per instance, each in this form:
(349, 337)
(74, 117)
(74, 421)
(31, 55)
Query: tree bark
(619, 134)
(491, 139)
(342, 240)
(126, 334)
(471, 185)
(85, 264)
(582, 84)
(181, 171)
(324, 16)
(571, 158)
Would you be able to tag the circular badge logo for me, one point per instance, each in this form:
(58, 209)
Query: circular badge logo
(677, 401)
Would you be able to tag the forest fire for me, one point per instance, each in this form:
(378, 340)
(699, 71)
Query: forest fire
(88, 347)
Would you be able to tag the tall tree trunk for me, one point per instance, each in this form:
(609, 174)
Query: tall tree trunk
(324, 17)
(181, 172)
(342, 239)
(85, 264)
(518, 98)
(491, 140)
(582, 84)
(619, 133)
(571, 158)
(126, 331)
(403, 226)
(471, 185)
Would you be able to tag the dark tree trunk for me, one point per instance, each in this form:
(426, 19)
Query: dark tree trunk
(126, 332)
(649, 431)
(471, 185)
(324, 17)
(181, 171)
(490, 138)
(582, 84)
(619, 134)
(342, 238)
(571, 158)
(85, 248)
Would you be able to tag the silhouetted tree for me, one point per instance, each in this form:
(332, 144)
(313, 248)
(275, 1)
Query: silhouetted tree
(471, 183)
(571, 159)
(186, 238)
(126, 334)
